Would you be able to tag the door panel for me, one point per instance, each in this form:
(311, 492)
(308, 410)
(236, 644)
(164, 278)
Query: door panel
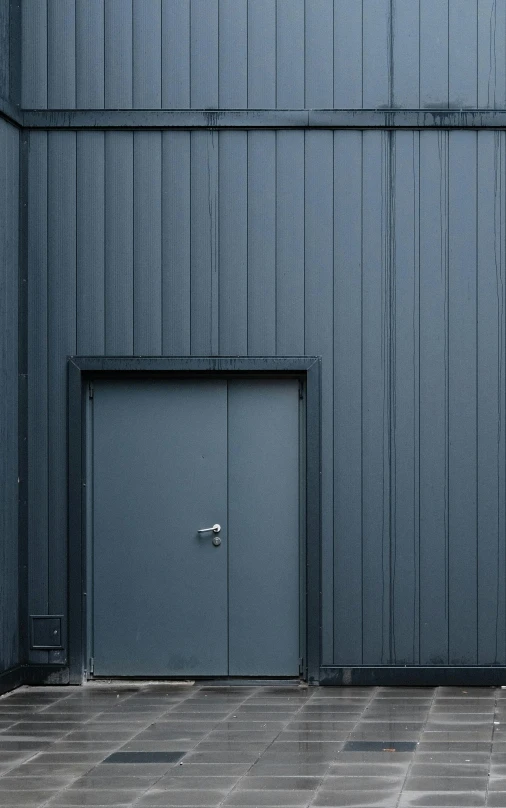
(170, 458)
(263, 513)
(159, 474)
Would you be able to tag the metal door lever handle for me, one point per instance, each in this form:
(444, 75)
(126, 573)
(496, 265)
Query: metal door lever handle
(214, 528)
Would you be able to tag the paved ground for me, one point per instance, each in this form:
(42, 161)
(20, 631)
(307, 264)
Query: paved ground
(156, 745)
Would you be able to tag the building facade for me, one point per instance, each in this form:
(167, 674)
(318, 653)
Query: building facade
(253, 195)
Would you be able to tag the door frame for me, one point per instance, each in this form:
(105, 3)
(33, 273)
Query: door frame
(82, 369)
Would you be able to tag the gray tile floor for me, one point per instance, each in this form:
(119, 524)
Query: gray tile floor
(180, 745)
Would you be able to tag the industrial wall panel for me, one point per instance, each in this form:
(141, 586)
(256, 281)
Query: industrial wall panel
(9, 217)
(4, 48)
(463, 54)
(290, 31)
(204, 243)
(90, 243)
(119, 215)
(462, 511)
(61, 340)
(376, 401)
(233, 243)
(290, 188)
(118, 50)
(405, 56)
(147, 54)
(89, 45)
(233, 54)
(377, 79)
(204, 54)
(261, 243)
(319, 331)
(319, 56)
(491, 54)
(175, 54)
(38, 388)
(34, 54)
(348, 56)
(434, 54)
(347, 577)
(405, 408)
(176, 247)
(434, 401)
(147, 237)
(61, 54)
(491, 460)
(264, 54)
(361, 247)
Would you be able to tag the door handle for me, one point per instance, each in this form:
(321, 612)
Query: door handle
(214, 529)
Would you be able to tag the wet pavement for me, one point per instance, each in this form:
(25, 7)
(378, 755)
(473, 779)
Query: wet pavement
(181, 745)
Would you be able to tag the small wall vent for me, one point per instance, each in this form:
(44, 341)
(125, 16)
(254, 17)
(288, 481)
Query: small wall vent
(46, 631)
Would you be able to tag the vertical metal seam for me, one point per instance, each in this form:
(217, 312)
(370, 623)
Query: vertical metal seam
(104, 52)
(104, 146)
(362, 386)
(447, 180)
(362, 71)
(190, 54)
(161, 56)
(47, 368)
(75, 57)
(134, 273)
(162, 244)
(477, 355)
(22, 514)
(190, 149)
(275, 54)
(276, 133)
(418, 577)
(247, 241)
(333, 134)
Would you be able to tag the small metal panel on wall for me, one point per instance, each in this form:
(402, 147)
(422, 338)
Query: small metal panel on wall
(82, 369)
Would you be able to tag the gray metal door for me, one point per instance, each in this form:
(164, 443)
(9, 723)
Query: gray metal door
(170, 458)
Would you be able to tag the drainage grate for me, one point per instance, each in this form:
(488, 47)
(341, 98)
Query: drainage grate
(144, 757)
(379, 746)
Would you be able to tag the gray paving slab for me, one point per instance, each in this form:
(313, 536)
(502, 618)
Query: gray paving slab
(213, 745)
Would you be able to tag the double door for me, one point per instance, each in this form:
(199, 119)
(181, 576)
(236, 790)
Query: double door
(195, 528)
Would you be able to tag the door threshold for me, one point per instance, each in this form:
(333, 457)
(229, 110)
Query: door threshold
(225, 681)
(245, 682)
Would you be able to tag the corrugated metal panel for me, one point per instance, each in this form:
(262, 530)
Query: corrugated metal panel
(38, 389)
(4, 48)
(233, 54)
(175, 54)
(262, 54)
(491, 54)
(118, 54)
(61, 54)
(89, 47)
(265, 53)
(176, 246)
(147, 54)
(9, 208)
(61, 340)
(148, 243)
(365, 251)
(34, 54)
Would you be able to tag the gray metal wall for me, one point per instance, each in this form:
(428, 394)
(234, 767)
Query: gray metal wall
(385, 253)
(9, 199)
(264, 54)
(4, 49)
